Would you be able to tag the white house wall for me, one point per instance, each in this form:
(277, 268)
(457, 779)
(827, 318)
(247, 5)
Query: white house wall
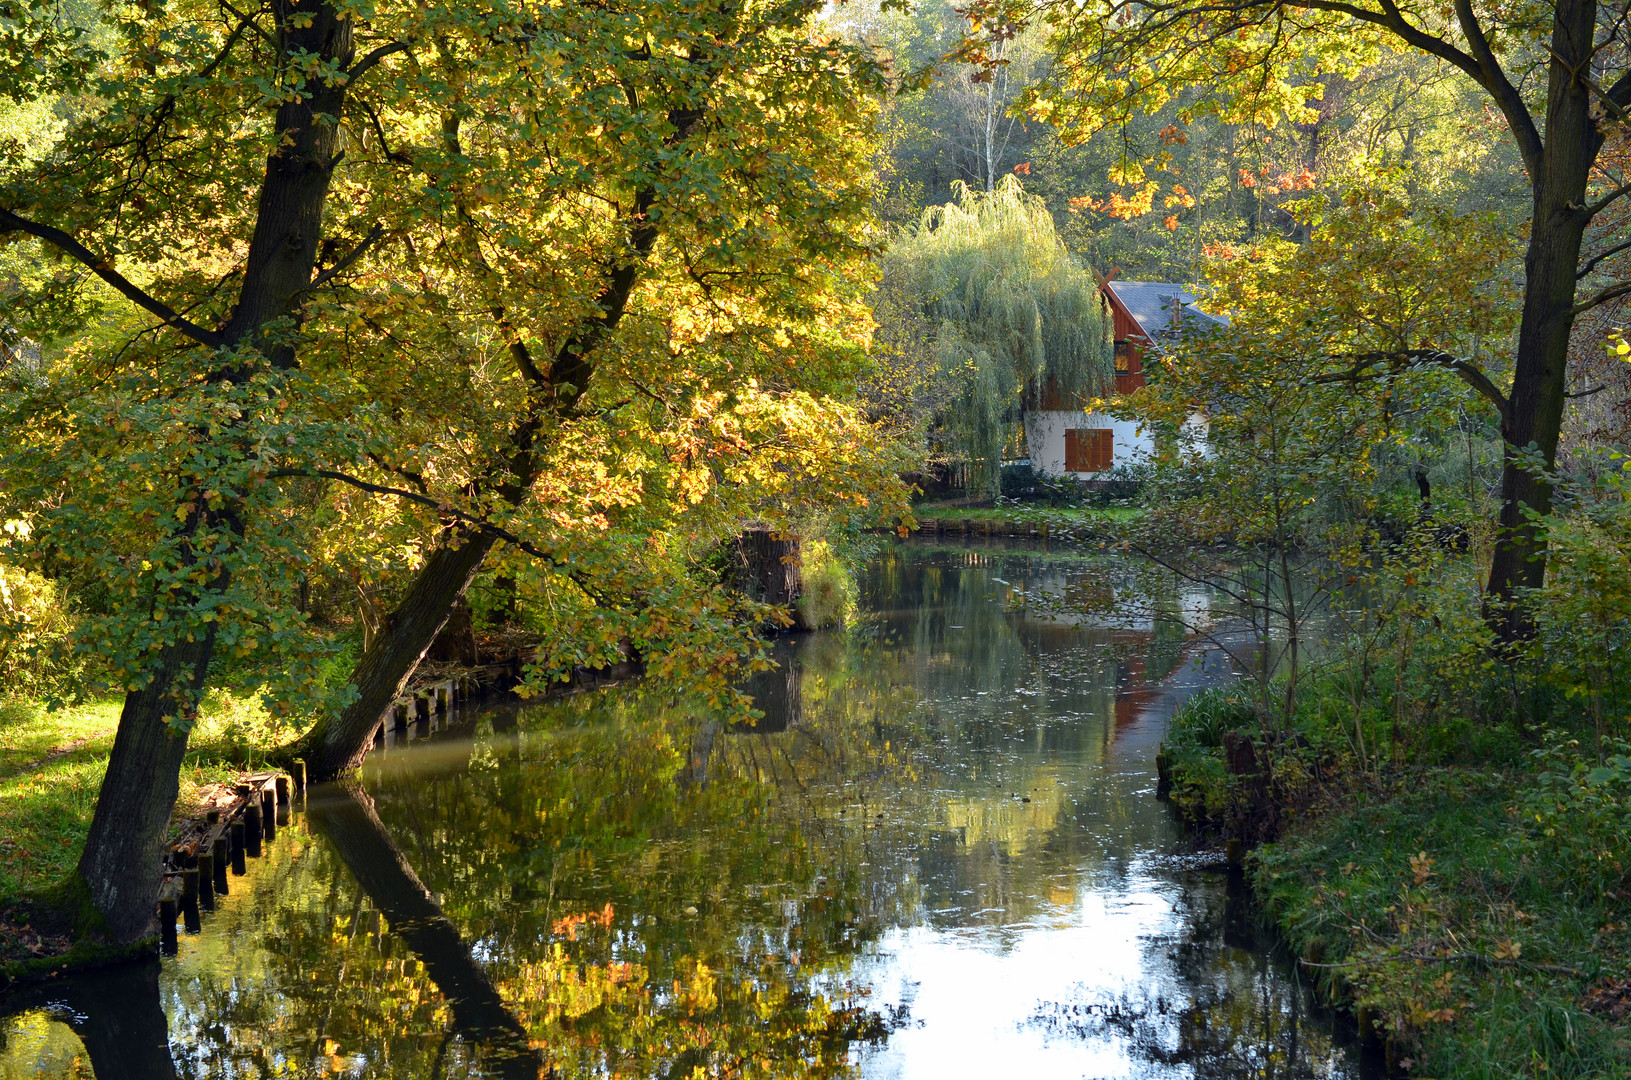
(1045, 437)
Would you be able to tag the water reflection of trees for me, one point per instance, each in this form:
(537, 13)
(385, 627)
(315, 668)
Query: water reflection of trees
(615, 886)
(1225, 1008)
(637, 924)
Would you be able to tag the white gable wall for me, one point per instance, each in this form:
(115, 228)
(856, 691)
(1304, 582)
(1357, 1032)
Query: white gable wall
(1045, 437)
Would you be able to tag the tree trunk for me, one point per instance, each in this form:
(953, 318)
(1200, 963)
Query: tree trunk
(345, 816)
(119, 865)
(120, 862)
(337, 744)
(1534, 414)
(765, 567)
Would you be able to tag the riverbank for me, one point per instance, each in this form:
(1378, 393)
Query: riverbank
(1070, 523)
(51, 768)
(1471, 907)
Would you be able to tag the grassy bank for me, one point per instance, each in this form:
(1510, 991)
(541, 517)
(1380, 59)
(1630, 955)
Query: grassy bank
(51, 767)
(1079, 523)
(1471, 906)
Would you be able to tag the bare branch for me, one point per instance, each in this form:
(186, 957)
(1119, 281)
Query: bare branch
(350, 257)
(1591, 263)
(1603, 296)
(103, 268)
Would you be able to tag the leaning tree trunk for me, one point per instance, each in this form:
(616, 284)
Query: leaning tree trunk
(337, 744)
(1534, 415)
(119, 865)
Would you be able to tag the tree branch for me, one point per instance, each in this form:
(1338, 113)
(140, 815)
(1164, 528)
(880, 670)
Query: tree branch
(1620, 92)
(1603, 296)
(350, 257)
(1591, 263)
(360, 68)
(103, 268)
(440, 506)
(1593, 209)
(1364, 366)
(1492, 78)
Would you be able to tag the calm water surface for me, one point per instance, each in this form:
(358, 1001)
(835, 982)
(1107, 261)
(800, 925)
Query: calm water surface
(939, 855)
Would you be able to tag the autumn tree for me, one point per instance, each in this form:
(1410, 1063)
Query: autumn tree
(1557, 74)
(1289, 479)
(432, 255)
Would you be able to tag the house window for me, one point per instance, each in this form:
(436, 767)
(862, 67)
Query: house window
(1090, 449)
(1124, 359)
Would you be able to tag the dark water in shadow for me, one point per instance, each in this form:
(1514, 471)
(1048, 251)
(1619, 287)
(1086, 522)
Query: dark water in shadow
(938, 855)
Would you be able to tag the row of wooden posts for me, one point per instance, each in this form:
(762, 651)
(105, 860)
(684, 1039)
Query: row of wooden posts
(418, 713)
(199, 867)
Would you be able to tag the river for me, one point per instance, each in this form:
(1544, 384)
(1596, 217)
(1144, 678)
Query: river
(938, 855)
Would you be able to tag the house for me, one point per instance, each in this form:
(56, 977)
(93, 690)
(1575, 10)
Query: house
(1066, 441)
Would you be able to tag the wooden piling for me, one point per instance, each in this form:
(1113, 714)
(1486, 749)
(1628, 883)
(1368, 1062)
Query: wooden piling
(252, 828)
(206, 876)
(240, 839)
(268, 804)
(189, 900)
(221, 856)
(169, 902)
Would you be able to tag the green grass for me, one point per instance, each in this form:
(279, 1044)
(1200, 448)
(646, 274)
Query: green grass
(51, 767)
(1474, 907)
(1457, 925)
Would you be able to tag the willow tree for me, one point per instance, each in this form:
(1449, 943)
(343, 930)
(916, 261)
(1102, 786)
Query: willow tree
(1012, 314)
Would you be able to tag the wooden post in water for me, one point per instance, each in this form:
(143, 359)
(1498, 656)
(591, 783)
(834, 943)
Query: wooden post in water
(252, 829)
(240, 839)
(168, 897)
(221, 855)
(189, 900)
(206, 873)
(267, 798)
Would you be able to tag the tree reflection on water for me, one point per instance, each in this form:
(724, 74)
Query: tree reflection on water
(619, 886)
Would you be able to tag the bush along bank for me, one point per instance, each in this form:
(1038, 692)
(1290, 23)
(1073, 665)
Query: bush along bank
(1462, 888)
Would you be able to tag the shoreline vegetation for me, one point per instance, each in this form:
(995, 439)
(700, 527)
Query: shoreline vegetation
(1466, 904)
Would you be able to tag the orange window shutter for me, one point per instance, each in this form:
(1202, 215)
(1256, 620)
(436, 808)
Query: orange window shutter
(1104, 449)
(1089, 449)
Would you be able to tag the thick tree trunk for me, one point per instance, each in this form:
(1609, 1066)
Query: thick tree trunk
(120, 862)
(765, 567)
(344, 815)
(119, 865)
(337, 744)
(1534, 414)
